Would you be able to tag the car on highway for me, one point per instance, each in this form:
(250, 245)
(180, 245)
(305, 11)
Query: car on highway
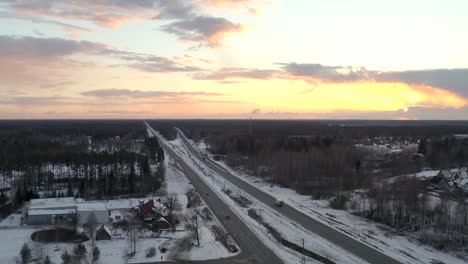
(279, 202)
(227, 217)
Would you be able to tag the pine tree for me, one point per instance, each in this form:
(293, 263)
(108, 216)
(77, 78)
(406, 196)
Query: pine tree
(96, 253)
(66, 258)
(25, 254)
(80, 251)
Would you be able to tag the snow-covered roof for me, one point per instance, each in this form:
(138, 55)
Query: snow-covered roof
(106, 229)
(160, 208)
(51, 211)
(91, 206)
(47, 203)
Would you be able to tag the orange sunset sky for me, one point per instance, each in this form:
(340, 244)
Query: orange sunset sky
(304, 59)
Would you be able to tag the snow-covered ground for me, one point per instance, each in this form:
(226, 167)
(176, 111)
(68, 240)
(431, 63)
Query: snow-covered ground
(288, 229)
(11, 220)
(13, 235)
(378, 236)
(113, 251)
(177, 184)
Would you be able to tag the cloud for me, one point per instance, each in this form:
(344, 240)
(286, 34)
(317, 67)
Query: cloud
(452, 80)
(174, 9)
(251, 6)
(312, 72)
(41, 48)
(43, 61)
(144, 94)
(455, 80)
(163, 65)
(189, 21)
(105, 13)
(74, 30)
(203, 29)
(235, 73)
(112, 112)
(38, 100)
(256, 111)
(411, 113)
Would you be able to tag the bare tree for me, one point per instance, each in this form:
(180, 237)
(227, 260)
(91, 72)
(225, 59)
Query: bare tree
(133, 235)
(193, 226)
(91, 223)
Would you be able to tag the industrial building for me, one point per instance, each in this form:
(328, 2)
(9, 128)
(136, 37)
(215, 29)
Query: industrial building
(51, 211)
(88, 210)
(66, 211)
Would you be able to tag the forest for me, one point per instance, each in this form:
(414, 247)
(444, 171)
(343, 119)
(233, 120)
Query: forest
(92, 159)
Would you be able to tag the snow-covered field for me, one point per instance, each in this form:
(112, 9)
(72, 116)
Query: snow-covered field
(378, 236)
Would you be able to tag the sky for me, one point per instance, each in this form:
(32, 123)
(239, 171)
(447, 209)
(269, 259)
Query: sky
(234, 59)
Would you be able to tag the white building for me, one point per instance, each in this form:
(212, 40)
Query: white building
(86, 209)
(51, 211)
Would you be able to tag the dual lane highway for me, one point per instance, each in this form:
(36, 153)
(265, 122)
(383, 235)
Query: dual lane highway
(353, 246)
(253, 250)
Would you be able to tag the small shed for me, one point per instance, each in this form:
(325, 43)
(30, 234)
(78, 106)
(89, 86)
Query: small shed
(161, 224)
(103, 233)
(447, 175)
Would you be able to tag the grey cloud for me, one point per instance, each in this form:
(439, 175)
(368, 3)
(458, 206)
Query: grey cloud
(32, 100)
(163, 65)
(26, 49)
(104, 12)
(144, 94)
(227, 73)
(455, 80)
(326, 73)
(30, 47)
(412, 113)
(190, 22)
(117, 112)
(174, 9)
(64, 26)
(203, 29)
(256, 111)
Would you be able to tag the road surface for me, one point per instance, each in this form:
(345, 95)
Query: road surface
(353, 246)
(252, 248)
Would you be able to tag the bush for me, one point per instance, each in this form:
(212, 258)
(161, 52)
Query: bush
(339, 202)
(150, 252)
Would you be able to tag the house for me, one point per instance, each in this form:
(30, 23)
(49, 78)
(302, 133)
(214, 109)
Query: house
(146, 208)
(87, 210)
(103, 233)
(51, 211)
(153, 207)
(439, 182)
